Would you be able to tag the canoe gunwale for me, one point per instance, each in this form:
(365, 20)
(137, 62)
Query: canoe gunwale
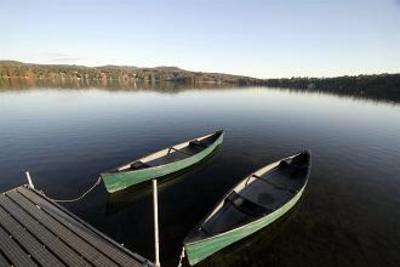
(257, 223)
(115, 171)
(259, 172)
(118, 181)
(298, 194)
(255, 226)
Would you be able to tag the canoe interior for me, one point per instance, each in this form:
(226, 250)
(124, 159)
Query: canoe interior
(171, 154)
(256, 196)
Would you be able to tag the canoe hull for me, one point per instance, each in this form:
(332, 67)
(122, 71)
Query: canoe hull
(199, 250)
(118, 181)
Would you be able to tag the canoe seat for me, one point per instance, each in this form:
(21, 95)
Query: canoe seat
(179, 151)
(269, 181)
(192, 149)
(169, 158)
(245, 205)
(226, 218)
(197, 143)
(137, 165)
(300, 162)
(209, 140)
(287, 176)
(265, 194)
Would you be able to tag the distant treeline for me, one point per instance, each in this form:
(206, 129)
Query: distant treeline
(382, 86)
(14, 69)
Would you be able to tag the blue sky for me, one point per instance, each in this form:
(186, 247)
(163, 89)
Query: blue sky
(256, 38)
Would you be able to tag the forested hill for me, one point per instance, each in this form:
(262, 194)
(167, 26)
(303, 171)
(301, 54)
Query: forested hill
(14, 69)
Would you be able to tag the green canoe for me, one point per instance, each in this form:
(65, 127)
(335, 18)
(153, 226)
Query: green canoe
(257, 201)
(161, 163)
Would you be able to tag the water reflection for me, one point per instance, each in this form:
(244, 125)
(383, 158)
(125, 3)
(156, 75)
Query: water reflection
(114, 85)
(391, 96)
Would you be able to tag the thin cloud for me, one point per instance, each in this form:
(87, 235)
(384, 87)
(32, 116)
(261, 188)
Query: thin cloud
(64, 60)
(60, 58)
(54, 54)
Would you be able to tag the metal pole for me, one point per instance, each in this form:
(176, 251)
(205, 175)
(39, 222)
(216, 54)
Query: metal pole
(28, 176)
(156, 241)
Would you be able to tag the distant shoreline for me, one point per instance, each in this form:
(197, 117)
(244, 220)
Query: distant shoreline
(14, 74)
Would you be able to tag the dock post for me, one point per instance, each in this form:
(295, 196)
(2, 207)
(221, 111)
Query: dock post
(155, 208)
(28, 176)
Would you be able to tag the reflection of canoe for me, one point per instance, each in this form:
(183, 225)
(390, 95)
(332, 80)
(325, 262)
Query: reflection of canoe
(255, 202)
(161, 163)
(124, 199)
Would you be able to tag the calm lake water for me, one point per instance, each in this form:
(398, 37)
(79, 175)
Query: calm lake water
(349, 215)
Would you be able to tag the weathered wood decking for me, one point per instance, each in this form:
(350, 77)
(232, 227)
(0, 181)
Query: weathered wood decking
(35, 231)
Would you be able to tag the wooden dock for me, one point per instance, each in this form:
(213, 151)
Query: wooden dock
(35, 231)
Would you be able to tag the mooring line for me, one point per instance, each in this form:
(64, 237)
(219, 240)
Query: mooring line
(81, 196)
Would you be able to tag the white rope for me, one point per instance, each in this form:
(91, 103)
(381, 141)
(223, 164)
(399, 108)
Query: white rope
(81, 196)
(181, 257)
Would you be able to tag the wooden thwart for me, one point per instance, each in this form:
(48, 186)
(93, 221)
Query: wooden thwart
(179, 151)
(277, 186)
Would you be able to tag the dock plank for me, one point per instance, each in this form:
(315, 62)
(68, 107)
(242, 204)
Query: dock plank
(13, 251)
(111, 251)
(36, 231)
(69, 237)
(3, 261)
(57, 246)
(38, 251)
